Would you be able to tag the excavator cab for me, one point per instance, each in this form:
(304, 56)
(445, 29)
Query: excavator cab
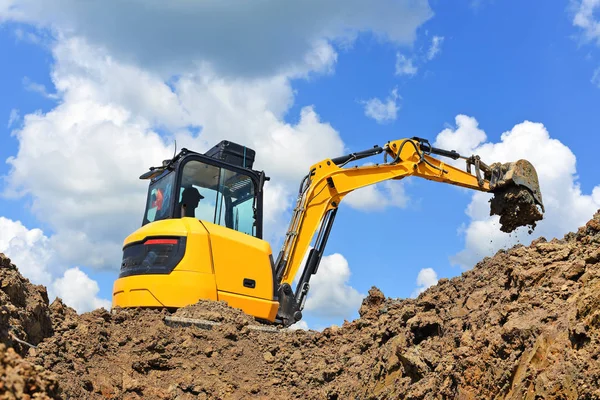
(212, 187)
(201, 236)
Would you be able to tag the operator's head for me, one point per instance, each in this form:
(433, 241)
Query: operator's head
(189, 201)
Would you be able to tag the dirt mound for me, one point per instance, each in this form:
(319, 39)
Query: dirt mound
(215, 311)
(524, 324)
(20, 379)
(24, 312)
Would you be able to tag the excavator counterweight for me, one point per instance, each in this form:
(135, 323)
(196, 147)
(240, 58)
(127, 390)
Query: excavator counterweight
(201, 237)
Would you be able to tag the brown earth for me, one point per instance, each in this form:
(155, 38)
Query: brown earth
(524, 324)
(516, 207)
(24, 321)
(24, 313)
(20, 379)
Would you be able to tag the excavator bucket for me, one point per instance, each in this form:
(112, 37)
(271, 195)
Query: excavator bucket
(517, 195)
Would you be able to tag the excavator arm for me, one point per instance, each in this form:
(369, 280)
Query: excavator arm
(328, 182)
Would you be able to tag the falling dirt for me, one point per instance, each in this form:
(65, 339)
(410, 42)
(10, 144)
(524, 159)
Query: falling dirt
(516, 207)
(524, 324)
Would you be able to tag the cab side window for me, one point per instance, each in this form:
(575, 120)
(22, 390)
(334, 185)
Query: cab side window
(219, 196)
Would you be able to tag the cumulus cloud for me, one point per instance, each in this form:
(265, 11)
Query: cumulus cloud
(586, 18)
(464, 138)
(238, 38)
(567, 207)
(100, 138)
(404, 65)
(378, 197)
(436, 47)
(426, 278)
(30, 250)
(381, 111)
(330, 295)
(77, 290)
(33, 254)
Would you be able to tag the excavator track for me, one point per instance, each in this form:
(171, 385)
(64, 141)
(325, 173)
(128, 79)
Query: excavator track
(205, 324)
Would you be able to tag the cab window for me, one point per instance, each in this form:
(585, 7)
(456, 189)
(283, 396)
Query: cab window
(159, 202)
(219, 196)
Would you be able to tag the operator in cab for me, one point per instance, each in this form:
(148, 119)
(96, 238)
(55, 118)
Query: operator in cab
(190, 198)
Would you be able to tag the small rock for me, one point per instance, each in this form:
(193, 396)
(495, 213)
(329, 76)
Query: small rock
(268, 357)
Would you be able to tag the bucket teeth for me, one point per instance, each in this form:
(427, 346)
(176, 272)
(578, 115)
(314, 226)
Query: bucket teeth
(519, 173)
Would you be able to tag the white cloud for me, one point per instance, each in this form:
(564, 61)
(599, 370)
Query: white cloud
(464, 138)
(436, 47)
(596, 77)
(302, 325)
(330, 296)
(13, 118)
(378, 197)
(88, 189)
(276, 204)
(33, 254)
(239, 38)
(586, 19)
(37, 37)
(30, 250)
(380, 111)
(31, 86)
(100, 138)
(427, 277)
(567, 207)
(404, 65)
(77, 290)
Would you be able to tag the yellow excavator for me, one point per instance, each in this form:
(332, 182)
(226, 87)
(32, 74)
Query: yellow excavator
(201, 235)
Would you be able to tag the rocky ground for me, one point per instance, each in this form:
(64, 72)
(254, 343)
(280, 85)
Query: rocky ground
(24, 322)
(24, 312)
(20, 379)
(524, 324)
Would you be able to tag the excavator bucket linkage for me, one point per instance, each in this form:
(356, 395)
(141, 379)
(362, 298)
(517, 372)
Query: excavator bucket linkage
(515, 186)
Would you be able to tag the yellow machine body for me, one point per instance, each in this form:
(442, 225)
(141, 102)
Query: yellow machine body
(227, 260)
(215, 265)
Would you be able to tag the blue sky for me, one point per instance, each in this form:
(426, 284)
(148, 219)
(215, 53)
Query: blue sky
(501, 63)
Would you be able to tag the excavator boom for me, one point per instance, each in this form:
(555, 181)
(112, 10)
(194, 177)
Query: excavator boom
(328, 182)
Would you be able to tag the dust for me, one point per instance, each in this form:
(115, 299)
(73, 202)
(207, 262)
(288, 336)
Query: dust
(516, 208)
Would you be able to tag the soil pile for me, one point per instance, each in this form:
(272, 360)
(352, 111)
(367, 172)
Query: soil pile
(20, 379)
(524, 324)
(215, 311)
(24, 311)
